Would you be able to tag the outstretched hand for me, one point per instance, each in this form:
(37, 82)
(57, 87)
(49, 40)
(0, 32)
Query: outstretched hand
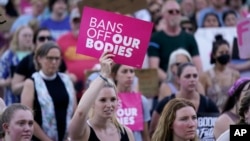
(106, 61)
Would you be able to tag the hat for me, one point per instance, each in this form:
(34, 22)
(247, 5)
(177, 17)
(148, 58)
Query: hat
(74, 14)
(237, 84)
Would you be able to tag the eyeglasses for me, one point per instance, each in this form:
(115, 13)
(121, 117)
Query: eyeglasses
(43, 38)
(188, 76)
(174, 11)
(51, 58)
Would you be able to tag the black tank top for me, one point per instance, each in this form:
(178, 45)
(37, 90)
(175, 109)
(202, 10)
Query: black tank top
(93, 137)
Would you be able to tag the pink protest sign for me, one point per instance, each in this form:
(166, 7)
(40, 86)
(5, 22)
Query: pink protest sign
(127, 38)
(243, 32)
(129, 111)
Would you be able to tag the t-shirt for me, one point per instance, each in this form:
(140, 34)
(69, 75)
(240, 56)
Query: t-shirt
(162, 45)
(206, 105)
(76, 63)
(27, 67)
(57, 28)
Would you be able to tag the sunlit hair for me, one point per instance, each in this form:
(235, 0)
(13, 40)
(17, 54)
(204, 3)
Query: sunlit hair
(172, 60)
(8, 113)
(43, 50)
(14, 43)
(110, 84)
(244, 107)
(164, 131)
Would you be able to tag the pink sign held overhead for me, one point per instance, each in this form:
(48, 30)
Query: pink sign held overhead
(243, 33)
(129, 111)
(125, 37)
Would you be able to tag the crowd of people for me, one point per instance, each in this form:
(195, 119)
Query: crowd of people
(47, 93)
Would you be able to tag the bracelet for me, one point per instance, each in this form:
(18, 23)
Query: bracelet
(103, 78)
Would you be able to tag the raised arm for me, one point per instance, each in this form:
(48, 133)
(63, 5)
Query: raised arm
(78, 128)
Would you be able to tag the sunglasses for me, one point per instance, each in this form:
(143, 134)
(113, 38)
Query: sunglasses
(188, 76)
(43, 38)
(76, 20)
(188, 29)
(177, 64)
(174, 11)
(51, 58)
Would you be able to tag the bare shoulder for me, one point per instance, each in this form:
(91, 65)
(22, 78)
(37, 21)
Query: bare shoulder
(29, 83)
(28, 88)
(203, 75)
(235, 73)
(223, 120)
(221, 125)
(130, 134)
(223, 117)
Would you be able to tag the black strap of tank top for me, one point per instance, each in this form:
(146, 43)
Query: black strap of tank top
(93, 137)
(124, 136)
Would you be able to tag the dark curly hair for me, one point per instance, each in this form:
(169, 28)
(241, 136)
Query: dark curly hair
(244, 107)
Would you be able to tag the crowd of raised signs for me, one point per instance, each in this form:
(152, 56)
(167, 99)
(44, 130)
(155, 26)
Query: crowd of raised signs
(39, 68)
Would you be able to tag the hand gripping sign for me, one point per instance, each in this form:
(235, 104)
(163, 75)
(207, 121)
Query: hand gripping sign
(125, 37)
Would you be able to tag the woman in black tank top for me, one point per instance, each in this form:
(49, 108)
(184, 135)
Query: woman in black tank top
(94, 119)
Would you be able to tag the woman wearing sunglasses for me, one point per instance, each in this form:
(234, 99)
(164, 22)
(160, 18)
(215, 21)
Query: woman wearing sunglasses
(27, 67)
(188, 77)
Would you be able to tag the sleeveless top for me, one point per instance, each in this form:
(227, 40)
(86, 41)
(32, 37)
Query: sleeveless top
(48, 104)
(218, 94)
(93, 136)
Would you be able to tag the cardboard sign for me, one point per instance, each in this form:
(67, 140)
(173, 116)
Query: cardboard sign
(148, 82)
(243, 32)
(129, 111)
(122, 6)
(206, 126)
(125, 37)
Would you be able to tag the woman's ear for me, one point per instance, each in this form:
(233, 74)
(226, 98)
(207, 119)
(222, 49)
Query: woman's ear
(5, 127)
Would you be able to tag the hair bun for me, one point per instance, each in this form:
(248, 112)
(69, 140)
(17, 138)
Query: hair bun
(218, 37)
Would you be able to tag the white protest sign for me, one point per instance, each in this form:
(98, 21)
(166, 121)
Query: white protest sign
(243, 32)
(205, 38)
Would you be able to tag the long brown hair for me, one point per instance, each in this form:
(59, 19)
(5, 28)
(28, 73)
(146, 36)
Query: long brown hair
(163, 131)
